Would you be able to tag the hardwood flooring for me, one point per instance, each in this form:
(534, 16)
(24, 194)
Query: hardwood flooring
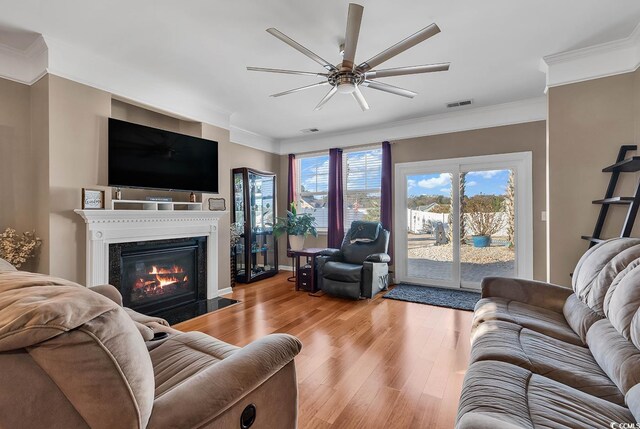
(365, 364)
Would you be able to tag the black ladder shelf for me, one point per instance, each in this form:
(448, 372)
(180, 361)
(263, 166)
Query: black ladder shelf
(622, 165)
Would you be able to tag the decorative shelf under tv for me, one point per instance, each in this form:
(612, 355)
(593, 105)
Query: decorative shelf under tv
(254, 205)
(154, 205)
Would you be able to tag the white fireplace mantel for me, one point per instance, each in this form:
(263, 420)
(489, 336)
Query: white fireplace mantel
(105, 227)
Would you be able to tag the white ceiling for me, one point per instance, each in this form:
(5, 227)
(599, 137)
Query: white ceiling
(202, 47)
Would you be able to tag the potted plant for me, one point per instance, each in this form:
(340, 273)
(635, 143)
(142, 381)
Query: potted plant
(484, 218)
(298, 226)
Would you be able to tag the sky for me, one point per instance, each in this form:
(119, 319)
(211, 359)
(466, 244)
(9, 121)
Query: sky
(478, 182)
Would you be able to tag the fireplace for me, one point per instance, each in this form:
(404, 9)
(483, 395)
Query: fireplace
(157, 276)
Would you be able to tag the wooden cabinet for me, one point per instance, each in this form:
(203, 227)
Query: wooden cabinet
(254, 207)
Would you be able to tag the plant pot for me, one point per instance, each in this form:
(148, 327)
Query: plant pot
(481, 240)
(296, 242)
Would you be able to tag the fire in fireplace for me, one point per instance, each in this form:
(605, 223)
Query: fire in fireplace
(155, 276)
(159, 282)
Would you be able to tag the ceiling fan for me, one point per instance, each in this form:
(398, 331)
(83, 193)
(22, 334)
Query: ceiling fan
(346, 77)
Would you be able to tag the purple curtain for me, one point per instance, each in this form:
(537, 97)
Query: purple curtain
(386, 196)
(335, 230)
(291, 187)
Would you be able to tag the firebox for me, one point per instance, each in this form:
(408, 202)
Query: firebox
(156, 276)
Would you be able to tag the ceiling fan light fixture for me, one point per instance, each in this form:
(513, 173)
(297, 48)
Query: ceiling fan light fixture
(346, 87)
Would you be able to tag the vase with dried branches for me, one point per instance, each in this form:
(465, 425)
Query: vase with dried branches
(18, 248)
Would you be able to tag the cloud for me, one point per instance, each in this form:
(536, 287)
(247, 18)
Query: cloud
(411, 183)
(488, 174)
(445, 190)
(472, 183)
(443, 179)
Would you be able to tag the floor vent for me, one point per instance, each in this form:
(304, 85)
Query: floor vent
(459, 103)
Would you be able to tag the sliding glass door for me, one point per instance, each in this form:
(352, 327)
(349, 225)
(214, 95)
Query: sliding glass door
(466, 219)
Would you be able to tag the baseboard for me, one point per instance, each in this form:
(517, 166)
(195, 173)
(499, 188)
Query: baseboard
(285, 267)
(224, 291)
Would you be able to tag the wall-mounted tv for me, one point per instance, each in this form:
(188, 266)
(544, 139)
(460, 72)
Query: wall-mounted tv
(145, 157)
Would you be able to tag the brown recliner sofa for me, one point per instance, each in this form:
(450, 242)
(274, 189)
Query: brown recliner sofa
(74, 358)
(554, 357)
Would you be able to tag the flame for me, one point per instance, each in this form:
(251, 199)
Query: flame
(172, 270)
(164, 276)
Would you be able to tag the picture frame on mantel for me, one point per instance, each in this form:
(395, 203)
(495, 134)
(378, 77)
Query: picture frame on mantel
(217, 204)
(93, 199)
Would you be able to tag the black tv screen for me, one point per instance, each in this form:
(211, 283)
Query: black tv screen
(145, 157)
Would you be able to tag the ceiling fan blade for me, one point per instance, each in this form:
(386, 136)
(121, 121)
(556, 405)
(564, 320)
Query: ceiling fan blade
(297, 46)
(360, 99)
(291, 91)
(326, 98)
(389, 88)
(354, 19)
(303, 73)
(400, 47)
(407, 70)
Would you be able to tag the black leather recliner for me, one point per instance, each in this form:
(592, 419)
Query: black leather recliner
(360, 268)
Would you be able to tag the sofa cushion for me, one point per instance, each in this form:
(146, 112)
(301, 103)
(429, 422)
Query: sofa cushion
(538, 319)
(183, 356)
(342, 272)
(579, 316)
(598, 268)
(567, 363)
(622, 303)
(501, 395)
(616, 356)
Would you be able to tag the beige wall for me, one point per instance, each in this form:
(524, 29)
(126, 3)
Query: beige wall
(24, 192)
(588, 122)
(528, 137)
(17, 205)
(77, 159)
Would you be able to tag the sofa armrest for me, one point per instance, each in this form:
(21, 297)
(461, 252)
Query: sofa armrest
(220, 386)
(539, 294)
(110, 292)
(378, 257)
(329, 252)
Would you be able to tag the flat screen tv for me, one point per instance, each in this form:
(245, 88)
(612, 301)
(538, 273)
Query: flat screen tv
(145, 157)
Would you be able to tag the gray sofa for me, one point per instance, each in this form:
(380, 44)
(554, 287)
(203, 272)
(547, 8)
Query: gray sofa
(74, 358)
(553, 357)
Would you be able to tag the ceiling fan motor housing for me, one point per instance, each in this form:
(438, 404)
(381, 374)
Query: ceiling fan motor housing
(346, 81)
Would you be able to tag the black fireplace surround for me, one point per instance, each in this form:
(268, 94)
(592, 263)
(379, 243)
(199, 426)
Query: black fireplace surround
(161, 276)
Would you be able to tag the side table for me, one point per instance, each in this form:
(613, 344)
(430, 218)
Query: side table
(306, 274)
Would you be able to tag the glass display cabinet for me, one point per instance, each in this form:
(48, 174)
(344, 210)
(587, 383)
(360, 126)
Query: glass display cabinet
(254, 205)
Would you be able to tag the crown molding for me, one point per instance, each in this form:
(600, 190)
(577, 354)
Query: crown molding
(593, 62)
(529, 110)
(24, 66)
(254, 140)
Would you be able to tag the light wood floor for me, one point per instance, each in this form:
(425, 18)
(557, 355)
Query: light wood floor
(366, 364)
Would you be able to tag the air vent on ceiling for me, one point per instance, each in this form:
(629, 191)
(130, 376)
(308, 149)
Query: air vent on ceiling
(309, 130)
(459, 103)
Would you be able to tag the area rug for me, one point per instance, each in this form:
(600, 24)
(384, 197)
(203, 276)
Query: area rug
(450, 298)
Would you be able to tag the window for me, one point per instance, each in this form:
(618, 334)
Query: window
(362, 171)
(313, 187)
